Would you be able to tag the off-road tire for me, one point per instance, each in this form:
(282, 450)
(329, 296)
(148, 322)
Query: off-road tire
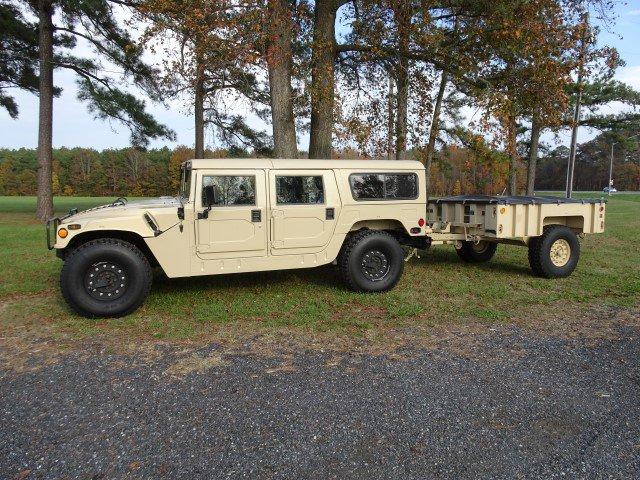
(533, 248)
(480, 252)
(112, 256)
(540, 258)
(371, 246)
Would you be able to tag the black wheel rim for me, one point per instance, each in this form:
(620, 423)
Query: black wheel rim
(375, 265)
(105, 281)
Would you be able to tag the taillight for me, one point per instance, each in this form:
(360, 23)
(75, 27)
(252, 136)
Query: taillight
(421, 222)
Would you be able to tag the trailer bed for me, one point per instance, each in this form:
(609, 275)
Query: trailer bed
(510, 219)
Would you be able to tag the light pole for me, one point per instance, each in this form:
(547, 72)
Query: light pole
(611, 162)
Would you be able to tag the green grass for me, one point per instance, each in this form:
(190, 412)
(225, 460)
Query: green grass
(27, 205)
(436, 288)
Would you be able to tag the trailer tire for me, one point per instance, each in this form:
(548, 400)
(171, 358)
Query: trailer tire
(472, 252)
(106, 277)
(555, 253)
(533, 255)
(371, 261)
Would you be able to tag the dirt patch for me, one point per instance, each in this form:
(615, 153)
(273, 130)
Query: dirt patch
(27, 349)
(22, 357)
(196, 363)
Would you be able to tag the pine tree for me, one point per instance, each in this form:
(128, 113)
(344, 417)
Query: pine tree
(61, 25)
(18, 55)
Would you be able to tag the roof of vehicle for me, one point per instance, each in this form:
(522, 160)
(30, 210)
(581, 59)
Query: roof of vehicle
(302, 164)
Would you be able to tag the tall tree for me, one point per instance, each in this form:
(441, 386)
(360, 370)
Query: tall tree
(323, 77)
(279, 31)
(44, 207)
(402, 21)
(435, 127)
(95, 23)
(536, 128)
(206, 48)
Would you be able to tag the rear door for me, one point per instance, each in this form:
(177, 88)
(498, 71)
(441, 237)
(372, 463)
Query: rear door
(304, 207)
(236, 225)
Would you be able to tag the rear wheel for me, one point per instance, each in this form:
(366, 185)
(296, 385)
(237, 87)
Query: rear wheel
(555, 253)
(371, 261)
(105, 278)
(477, 252)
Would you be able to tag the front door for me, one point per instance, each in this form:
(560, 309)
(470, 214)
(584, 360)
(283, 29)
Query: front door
(304, 208)
(236, 224)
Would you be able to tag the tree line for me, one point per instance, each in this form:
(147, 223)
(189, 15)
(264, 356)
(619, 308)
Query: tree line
(474, 168)
(390, 78)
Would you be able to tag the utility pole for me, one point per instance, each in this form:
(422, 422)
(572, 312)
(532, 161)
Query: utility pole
(576, 115)
(611, 169)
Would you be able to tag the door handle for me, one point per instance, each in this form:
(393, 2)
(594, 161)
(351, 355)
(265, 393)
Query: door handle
(330, 213)
(256, 216)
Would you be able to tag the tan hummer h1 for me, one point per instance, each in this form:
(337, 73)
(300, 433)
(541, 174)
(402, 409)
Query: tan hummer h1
(248, 215)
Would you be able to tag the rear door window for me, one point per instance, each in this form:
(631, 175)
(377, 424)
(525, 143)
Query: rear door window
(299, 190)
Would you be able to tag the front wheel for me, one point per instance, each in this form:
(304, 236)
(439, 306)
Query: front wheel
(371, 261)
(105, 278)
(555, 253)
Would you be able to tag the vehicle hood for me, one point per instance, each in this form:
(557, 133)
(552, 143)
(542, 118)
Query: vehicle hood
(163, 209)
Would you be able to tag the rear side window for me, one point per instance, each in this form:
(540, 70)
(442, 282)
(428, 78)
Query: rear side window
(384, 186)
(299, 190)
(231, 189)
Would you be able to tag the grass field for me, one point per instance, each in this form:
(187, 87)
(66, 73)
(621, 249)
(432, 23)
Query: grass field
(435, 289)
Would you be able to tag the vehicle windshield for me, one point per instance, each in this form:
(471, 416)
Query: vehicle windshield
(185, 182)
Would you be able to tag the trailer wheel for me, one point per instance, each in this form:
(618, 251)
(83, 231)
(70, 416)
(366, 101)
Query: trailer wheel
(479, 252)
(105, 278)
(555, 253)
(371, 261)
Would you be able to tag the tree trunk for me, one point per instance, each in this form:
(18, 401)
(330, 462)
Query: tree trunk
(536, 128)
(279, 62)
(322, 79)
(402, 21)
(401, 121)
(512, 150)
(44, 209)
(435, 127)
(576, 115)
(199, 110)
(390, 120)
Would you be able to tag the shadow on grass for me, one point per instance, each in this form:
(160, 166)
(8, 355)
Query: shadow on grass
(450, 259)
(325, 276)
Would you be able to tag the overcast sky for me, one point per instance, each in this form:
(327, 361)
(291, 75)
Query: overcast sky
(73, 126)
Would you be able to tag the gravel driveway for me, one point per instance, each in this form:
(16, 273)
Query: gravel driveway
(520, 405)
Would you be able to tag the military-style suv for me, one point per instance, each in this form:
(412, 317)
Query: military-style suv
(245, 216)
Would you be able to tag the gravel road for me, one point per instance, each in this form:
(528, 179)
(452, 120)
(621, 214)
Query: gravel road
(520, 405)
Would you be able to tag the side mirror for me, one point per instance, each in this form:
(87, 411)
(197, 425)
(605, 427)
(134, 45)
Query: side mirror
(209, 196)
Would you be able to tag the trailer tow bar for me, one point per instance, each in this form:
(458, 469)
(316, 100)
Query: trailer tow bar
(412, 253)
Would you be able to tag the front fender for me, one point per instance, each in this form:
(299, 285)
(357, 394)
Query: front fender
(134, 222)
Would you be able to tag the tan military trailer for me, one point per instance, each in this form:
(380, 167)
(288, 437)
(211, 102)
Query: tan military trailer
(248, 215)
